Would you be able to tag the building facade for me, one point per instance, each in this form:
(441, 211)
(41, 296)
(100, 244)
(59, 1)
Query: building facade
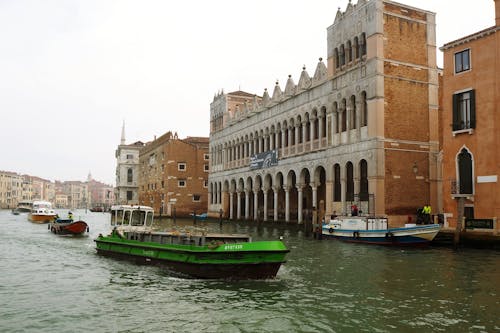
(471, 100)
(14, 188)
(127, 171)
(174, 175)
(362, 130)
(101, 195)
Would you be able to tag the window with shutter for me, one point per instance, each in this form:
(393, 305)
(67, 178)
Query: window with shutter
(464, 111)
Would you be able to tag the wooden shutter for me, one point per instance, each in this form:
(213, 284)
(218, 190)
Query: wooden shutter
(472, 109)
(456, 114)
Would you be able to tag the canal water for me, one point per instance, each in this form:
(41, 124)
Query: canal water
(51, 283)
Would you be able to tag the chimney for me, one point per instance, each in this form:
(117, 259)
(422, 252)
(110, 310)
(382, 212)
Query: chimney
(497, 13)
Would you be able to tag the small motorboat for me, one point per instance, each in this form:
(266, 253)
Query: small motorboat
(15, 212)
(375, 230)
(202, 216)
(68, 227)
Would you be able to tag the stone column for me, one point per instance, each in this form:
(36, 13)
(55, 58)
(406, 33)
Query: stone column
(312, 132)
(265, 189)
(231, 213)
(304, 133)
(238, 205)
(287, 203)
(296, 137)
(321, 119)
(255, 204)
(247, 204)
(299, 203)
(283, 136)
(315, 195)
(276, 192)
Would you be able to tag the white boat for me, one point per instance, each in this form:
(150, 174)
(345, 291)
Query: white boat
(42, 212)
(374, 230)
(24, 206)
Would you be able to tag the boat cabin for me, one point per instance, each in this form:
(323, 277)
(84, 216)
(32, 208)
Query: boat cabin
(131, 215)
(359, 223)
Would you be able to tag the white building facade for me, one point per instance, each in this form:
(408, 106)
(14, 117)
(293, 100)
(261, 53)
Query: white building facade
(330, 141)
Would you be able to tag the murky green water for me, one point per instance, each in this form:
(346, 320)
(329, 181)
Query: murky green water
(50, 283)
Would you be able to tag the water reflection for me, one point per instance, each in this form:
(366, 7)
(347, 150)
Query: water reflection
(51, 283)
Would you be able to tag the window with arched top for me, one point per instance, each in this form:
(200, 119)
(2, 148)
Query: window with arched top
(337, 59)
(355, 48)
(343, 110)
(353, 115)
(363, 180)
(349, 51)
(362, 45)
(349, 191)
(465, 177)
(130, 175)
(364, 109)
(342, 55)
(337, 188)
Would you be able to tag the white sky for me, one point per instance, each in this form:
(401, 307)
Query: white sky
(71, 71)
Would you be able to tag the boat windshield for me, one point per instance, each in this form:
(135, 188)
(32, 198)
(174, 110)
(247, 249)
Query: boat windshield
(116, 217)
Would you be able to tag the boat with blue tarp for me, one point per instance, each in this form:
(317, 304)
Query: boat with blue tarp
(375, 230)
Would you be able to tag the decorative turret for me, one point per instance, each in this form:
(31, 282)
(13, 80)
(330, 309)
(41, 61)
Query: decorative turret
(265, 98)
(290, 87)
(304, 81)
(321, 72)
(277, 94)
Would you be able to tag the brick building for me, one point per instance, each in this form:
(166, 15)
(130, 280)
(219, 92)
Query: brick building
(471, 118)
(363, 129)
(173, 175)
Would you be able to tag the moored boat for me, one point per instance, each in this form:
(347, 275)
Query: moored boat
(375, 230)
(42, 212)
(195, 254)
(202, 216)
(24, 206)
(68, 227)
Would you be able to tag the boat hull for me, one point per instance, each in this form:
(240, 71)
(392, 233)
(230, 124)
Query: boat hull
(413, 236)
(41, 218)
(256, 260)
(69, 228)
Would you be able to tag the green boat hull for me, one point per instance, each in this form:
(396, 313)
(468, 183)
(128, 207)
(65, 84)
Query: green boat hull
(246, 260)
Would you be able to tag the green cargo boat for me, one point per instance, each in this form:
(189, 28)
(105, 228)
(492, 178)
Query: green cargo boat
(196, 254)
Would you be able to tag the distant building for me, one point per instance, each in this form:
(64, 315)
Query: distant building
(101, 195)
(471, 125)
(362, 130)
(11, 189)
(174, 174)
(77, 193)
(42, 189)
(127, 170)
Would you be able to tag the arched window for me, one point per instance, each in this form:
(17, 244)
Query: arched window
(349, 51)
(362, 45)
(130, 175)
(355, 48)
(363, 181)
(337, 59)
(349, 191)
(353, 115)
(337, 194)
(342, 55)
(464, 162)
(344, 115)
(364, 110)
(336, 115)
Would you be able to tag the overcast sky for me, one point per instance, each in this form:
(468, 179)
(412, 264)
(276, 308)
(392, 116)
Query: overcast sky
(71, 71)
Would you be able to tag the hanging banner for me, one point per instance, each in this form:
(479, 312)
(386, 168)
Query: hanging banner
(264, 160)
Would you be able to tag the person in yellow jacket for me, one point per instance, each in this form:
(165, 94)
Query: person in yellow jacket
(427, 214)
